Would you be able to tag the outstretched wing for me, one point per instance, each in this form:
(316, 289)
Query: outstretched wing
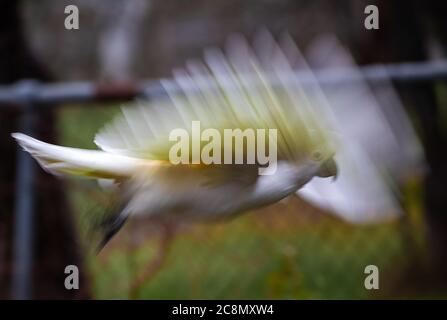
(378, 147)
(226, 91)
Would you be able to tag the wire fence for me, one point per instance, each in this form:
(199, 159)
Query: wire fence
(271, 254)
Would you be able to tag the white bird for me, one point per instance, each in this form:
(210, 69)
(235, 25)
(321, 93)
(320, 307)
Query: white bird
(228, 91)
(344, 132)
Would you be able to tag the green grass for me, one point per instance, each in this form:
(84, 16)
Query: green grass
(242, 260)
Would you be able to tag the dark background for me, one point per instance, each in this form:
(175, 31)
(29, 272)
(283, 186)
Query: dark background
(159, 35)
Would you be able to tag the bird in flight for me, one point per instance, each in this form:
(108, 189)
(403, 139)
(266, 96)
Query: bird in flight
(241, 88)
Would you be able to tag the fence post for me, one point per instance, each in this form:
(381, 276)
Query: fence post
(24, 200)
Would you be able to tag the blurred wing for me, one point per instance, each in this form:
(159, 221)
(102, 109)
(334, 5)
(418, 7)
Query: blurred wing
(377, 146)
(225, 92)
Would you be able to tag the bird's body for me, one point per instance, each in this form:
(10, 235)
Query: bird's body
(213, 193)
(184, 192)
(180, 193)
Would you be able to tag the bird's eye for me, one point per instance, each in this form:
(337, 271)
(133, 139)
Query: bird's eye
(316, 155)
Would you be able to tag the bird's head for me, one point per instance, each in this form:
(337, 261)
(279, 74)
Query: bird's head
(327, 167)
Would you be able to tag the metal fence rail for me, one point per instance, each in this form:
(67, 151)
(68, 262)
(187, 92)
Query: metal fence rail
(29, 96)
(32, 92)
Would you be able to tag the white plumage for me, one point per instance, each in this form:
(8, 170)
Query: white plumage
(239, 89)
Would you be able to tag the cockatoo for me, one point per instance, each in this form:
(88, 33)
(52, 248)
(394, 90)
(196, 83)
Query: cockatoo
(226, 92)
(239, 88)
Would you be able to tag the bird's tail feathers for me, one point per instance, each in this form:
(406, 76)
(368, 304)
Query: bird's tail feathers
(64, 160)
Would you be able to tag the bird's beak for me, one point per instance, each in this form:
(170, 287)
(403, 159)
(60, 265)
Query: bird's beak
(328, 169)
